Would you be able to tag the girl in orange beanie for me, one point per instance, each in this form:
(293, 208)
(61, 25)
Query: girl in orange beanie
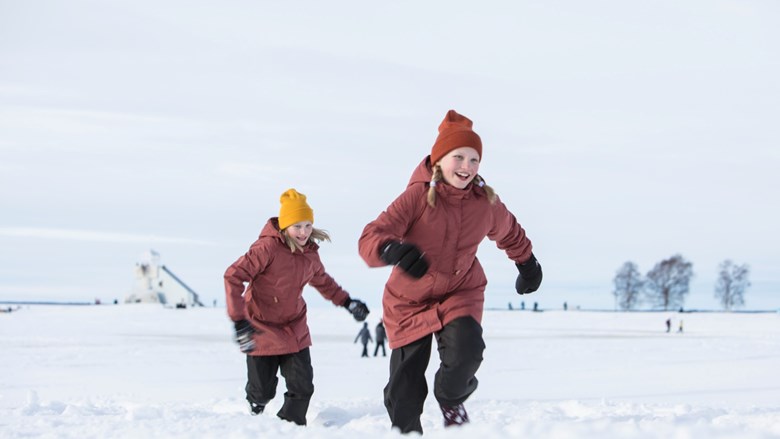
(269, 314)
(430, 234)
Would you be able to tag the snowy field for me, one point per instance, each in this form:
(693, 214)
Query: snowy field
(136, 371)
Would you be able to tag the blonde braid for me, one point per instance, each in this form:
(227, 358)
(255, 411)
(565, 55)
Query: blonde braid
(319, 235)
(491, 194)
(432, 190)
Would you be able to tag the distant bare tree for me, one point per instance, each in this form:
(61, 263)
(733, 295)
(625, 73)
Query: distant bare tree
(668, 282)
(731, 284)
(628, 286)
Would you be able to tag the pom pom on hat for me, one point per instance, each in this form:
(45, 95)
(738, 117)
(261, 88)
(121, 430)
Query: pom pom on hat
(454, 132)
(294, 209)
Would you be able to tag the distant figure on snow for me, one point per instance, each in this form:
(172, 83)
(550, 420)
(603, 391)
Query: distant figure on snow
(364, 336)
(380, 338)
(680, 329)
(668, 325)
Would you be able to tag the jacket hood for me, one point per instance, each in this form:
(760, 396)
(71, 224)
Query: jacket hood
(271, 229)
(422, 173)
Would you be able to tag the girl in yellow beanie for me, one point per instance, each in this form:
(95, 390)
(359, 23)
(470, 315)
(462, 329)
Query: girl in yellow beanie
(269, 314)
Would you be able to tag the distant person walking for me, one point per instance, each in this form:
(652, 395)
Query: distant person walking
(381, 335)
(668, 325)
(680, 329)
(364, 336)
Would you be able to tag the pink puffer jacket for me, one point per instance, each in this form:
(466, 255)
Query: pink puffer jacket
(273, 299)
(449, 235)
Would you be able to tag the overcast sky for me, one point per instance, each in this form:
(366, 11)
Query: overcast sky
(614, 130)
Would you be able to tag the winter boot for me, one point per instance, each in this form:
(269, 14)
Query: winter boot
(455, 415)
(256, 408)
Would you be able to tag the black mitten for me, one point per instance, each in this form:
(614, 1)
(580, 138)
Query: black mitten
(406, 256)
(530, 276)
(358, 309)
(244, 336)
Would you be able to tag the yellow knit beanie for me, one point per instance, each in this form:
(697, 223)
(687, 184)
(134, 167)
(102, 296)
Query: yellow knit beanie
(294, 209)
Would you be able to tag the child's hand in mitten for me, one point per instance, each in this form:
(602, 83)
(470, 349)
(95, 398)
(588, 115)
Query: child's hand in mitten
(245, 336)
(358, 309)
(407, 256)
(530, 276)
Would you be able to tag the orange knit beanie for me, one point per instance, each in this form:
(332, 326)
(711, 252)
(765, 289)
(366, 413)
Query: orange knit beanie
(454, 132)
(294, 209)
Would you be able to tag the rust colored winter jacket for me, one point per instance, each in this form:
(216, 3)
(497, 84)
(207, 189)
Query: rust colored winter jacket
(449, 235)
(273, 299)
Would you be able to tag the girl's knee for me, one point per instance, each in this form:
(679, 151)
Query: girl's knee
(467, 334)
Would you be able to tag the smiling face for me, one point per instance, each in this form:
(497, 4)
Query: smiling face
(300, 232)
(460, 166)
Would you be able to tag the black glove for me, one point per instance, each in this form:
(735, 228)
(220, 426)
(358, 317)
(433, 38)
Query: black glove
(406, 256)
(358, 309)
(530, 276)
(244, 336)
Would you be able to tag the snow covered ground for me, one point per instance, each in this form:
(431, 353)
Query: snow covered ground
(145, 371)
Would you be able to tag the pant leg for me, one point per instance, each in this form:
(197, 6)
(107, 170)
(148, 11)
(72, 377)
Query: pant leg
(365, 351)
(261, 378)
(299, 376)
(460, 352)
(407, 389)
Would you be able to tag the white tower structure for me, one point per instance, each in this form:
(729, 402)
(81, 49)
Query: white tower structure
(155, 283)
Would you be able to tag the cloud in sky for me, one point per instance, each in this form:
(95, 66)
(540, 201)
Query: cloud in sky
(95, 236)
(242, 169)
(613, 130)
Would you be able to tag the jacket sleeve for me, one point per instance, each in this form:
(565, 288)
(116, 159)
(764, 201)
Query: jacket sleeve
(509, 235)
(243, 271)
(327, 286)
(392, 224)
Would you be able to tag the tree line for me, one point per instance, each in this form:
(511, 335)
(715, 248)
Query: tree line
(667, 284)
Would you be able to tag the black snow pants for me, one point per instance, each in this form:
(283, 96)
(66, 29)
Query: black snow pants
(460, 353)
(298, 376)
